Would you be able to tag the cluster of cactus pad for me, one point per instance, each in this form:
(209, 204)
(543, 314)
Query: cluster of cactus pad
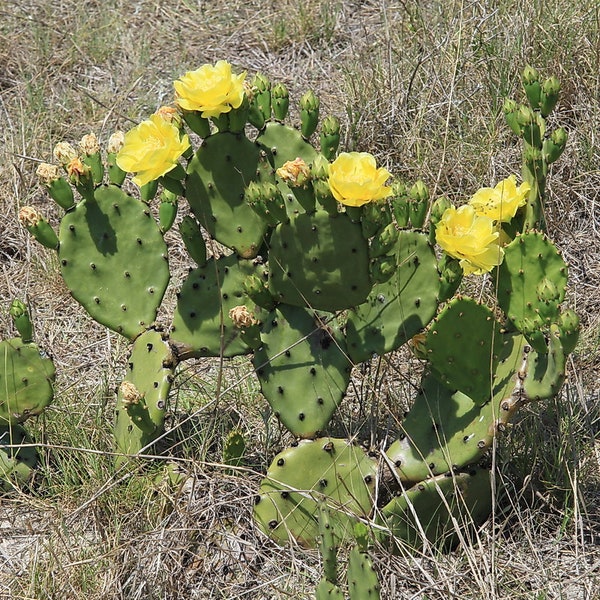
(310, 289)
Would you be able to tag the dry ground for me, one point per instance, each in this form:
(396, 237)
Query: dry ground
(419, 84)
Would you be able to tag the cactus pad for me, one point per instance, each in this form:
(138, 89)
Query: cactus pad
(16, 464)
(320, 262)
(530, 261)
(399, 308)
(151, 369)
(428, 509)
(302, 368)
(114, 260)
(444, 428)
(462, 345)
(201, 323)
(335, 470)
(217, 177)
(26, 381)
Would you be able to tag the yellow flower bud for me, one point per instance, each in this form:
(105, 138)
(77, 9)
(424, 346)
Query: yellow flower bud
(355, 180)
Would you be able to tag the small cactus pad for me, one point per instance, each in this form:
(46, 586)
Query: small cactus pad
(26, 381)
(201, 323)
(531, 266)
(545, 371)
(319, 261)
(445, 429)
(217, 177)
(302, 368)
(114, 260)
(399, 308)
(151, 368)
(463, 344)
(329, 469)
(363, 583)
(426, 511)
(16, 464)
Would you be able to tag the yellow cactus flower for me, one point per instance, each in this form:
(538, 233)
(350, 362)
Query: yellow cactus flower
(502, 202)
(354, 179)
(471, 238)
(212, 90)
(151, 149)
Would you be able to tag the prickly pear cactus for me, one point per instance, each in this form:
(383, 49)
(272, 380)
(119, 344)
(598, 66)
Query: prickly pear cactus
(26, 381)
(114, 260)
(17, 465)
(329, 470)
(143, 395)
(302, 367)
(439, 511)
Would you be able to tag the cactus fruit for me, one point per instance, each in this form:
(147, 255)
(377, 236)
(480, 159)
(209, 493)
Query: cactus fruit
(326, 469)
(21, 320)
(114, 260)
(302, 368)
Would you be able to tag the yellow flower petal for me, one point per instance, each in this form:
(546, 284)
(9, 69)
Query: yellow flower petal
(211, 90)
(354, 179)
(471, 238)
(502, 202)
(151, 149)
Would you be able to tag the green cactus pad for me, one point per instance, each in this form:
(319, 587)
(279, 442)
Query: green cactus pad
(217, 177)
(201, 323)
(320, 262)
(399, 308)
(114, 260)
(283, 143)
(428, 509)
(151, 370)
(328, 591)
(26, 381)
(530, 260)
(462, 346)
(363, 583)
(545, 371)
(329, 469)
(444, 428)
(302, 368)
(16, 464)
